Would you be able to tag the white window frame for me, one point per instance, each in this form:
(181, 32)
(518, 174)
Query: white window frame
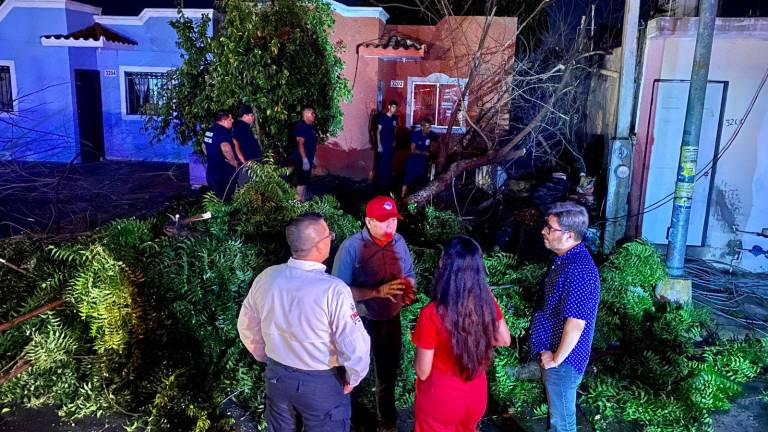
(14, 90)
(123, 100)
(437, 79)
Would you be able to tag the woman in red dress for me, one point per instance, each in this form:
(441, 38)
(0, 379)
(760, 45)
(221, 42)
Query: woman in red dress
(454, 337)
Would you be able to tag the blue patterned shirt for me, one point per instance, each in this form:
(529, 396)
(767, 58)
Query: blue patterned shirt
(571, 290)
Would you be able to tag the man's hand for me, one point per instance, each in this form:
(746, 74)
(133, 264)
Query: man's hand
(409, 293)
(305, 164)
(548, 360)
(391, 289)
(347, 388)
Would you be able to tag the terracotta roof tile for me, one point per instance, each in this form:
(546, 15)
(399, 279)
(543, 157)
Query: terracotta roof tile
(94, 32)
(395, 41)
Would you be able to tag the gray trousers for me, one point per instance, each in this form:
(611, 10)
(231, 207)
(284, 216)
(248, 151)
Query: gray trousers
(316, 399)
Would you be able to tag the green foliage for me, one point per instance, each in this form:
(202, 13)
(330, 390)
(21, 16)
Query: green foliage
(150, 323)
(627, 279)
(103, 292)
(260, 211)
(278, 58)
(60, 375)
(671, 392)
(661, 371)
(430, 226)
(424, 263)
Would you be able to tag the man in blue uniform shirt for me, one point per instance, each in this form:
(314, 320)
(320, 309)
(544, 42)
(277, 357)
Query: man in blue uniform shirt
(247, 145)
(418, 160)
(304, 154)
(222, 164)
(385, 148)
(564, 322)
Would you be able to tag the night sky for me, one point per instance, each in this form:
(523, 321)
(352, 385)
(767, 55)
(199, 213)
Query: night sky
(134, 7)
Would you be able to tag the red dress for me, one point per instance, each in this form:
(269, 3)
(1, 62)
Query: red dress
(444, 401)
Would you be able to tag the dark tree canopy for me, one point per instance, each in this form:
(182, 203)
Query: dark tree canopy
(277, 58)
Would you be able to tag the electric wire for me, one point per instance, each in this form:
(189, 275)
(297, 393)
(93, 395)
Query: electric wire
(728, 294)
(708, 167)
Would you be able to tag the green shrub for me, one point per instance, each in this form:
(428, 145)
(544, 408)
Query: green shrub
(149, 327)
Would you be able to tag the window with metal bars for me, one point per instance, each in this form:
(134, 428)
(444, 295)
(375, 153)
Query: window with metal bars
(143, 91)
(436, 102)
(6, 90)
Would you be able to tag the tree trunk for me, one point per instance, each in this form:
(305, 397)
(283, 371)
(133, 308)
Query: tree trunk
(505, 154)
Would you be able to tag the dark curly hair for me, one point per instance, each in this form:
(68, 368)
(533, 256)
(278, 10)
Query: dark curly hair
(465, 304)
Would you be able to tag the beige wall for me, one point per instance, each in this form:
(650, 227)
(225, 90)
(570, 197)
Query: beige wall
(362, 73)
(740, 186)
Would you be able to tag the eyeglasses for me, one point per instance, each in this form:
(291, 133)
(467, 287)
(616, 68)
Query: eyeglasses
(331, 235)
(550, 228)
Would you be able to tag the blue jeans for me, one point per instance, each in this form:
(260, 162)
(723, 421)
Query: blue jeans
(314, 398)
(561, 383)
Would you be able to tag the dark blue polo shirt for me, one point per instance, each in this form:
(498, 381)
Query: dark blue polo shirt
(387, 134)
(571, 290)
(217, 164)
(423, 141)
(307, 132)
(249, 144)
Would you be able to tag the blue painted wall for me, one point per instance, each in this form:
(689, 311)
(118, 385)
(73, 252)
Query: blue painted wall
(125, 135)
(45, 126)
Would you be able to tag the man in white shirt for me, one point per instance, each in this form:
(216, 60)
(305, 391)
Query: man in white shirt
(303, 323)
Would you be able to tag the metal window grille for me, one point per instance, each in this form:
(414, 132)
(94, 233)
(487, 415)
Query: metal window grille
(6, 91)
(143, 91)
(435, 101)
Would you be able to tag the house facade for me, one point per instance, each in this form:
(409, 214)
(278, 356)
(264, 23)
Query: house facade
(728, 213)
(74, 83)
(424, 68)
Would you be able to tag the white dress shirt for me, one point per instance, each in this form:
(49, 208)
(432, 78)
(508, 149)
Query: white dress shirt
(300, 316)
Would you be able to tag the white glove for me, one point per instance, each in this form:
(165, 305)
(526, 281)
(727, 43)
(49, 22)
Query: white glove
(305, 164)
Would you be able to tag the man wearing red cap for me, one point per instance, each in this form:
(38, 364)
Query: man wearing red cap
(378, 267)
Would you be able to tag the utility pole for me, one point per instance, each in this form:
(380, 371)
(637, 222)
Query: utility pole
(620, 148)
(677, 288)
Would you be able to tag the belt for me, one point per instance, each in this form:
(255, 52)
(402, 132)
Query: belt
(275, 363)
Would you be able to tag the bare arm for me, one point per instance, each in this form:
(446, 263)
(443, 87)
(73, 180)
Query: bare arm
(300, 145)
(571, 334)
(229, 155)
(388, 290)
(422, 362)
(238, 150)
(378, 139)
(502, 336)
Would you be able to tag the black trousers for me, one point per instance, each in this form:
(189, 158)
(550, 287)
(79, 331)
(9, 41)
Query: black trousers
(386, 347)
(223, 186)
(384, 162)
(315, 398)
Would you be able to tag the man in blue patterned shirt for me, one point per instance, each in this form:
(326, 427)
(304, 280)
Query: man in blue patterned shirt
(564, 321)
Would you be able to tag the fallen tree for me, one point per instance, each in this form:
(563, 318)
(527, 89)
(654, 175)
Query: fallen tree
(149, 326)
(525, 103)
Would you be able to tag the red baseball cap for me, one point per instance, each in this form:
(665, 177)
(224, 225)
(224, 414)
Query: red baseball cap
(382, 208)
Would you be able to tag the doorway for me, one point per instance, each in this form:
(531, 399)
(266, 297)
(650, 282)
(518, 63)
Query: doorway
(89, 115)
(665, 133)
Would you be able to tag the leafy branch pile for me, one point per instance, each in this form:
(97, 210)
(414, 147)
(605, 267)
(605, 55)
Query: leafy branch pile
(660, 365)
(148, 330)
(149, 327)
